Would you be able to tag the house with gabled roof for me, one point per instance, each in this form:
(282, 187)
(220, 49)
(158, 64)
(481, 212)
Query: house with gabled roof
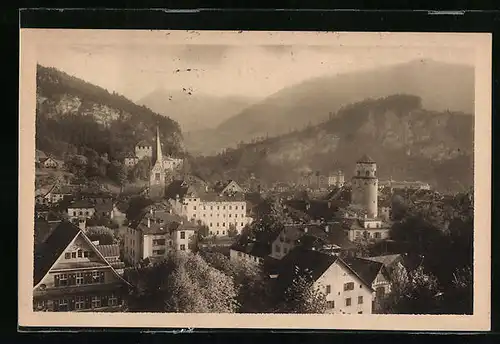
(71, 274)
(328, 238)
(48, 162)
(373, 273)
(249, 250)
(346, 292)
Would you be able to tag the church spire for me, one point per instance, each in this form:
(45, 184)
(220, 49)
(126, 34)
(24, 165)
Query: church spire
(159, 154)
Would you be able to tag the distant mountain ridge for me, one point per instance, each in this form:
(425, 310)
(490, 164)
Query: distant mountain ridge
(442, 86)
(192, 110)
(74, 115)
(407, 142)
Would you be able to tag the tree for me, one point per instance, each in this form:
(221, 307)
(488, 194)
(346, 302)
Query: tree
(182, 282)
(104, 235)
(232, 231)
(416, 292)
(136, 206)
(117, 172)
(251, 283)
(302, 297)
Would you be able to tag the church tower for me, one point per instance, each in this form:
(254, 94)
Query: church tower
(365, 186)
(157, 175)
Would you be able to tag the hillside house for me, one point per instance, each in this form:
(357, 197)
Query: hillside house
(346, 292)
(227, 188)
(48, 162)
(70, 274)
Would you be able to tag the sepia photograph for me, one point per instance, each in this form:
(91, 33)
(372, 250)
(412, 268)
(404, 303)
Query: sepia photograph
(252, 179)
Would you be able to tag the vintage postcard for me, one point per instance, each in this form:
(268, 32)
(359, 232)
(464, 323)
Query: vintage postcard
(315, 180)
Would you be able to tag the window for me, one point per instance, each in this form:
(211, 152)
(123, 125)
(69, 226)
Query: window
(211, 208)
(79, 278)
(236, 207)
(277, 248)
(63, 305)
(360, 312)
(86, 213)
(81, 213)
(224, 207)
(349, 286)
(67, 255)
(242, 224)
(229, 215)
(235, 215)
(211, 224)
(285, 250)
(367, 173)
(112, 300)
(194, 207)
(328, 289)
(217, 224)
(377, 235)
(63, 280)
(204, 208)
(157, 176)
(97, 277)
(230, 207)
(183, 247)
(79, 302)
(80, 253)
(96, 301)
(73, 254)
(223, 224)
(159, 242)
(360, 300)
(217, 207)
(348, 301)
(183, 235)
(330, 304)
(217, 232)
(223, 232)
(158, 252)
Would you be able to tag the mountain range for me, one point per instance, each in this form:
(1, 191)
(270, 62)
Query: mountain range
(407, 141)
(441, 86)
(194, 111)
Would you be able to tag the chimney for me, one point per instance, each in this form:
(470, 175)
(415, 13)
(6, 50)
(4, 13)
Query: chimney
(149, 222)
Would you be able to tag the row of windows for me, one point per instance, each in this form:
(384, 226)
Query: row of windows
(76, 213)
(224, 224)
(347, 287)
(80, 303)
(79, 254)
(255, 259)
(161, 252)
(367, 173)
(223, 207)
(223, 215)
(79, 278)
(277, 248)
(376, 235)
(348, 302)
(217, 232)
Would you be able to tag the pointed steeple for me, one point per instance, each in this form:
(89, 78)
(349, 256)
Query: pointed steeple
(159, 154)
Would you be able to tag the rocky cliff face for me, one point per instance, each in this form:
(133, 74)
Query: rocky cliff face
(407, 142)
(73, 115)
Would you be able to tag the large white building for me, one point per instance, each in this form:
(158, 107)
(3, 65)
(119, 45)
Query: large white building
(156, 233)
(218, 211)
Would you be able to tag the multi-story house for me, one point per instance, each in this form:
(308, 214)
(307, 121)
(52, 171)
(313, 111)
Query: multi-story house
(368, 229)
(249, 250)
(345, 291)
(219, 212)
(71, 274)
(155, 233)
(375, 274)
(81, 209)
(328, 239)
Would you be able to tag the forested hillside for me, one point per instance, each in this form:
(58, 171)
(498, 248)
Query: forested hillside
(86, 125)
(407, 141)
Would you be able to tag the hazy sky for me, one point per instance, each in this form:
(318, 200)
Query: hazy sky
(134, 69)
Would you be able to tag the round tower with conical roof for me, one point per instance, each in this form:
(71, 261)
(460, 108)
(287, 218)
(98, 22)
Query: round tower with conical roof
(364, 191)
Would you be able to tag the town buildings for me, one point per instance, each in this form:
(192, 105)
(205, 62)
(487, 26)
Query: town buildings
(220, 212)
(71, 274)
(155, 233)
(336, 179)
